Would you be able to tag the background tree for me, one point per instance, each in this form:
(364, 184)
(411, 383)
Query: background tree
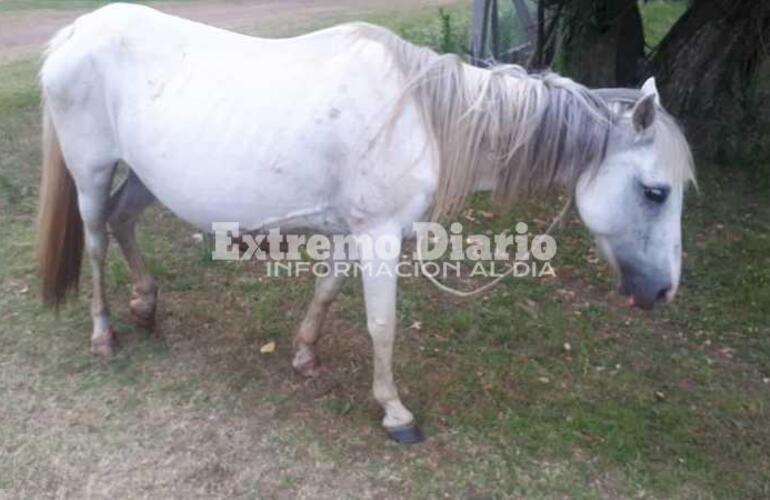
(601, 42)
(707, 63)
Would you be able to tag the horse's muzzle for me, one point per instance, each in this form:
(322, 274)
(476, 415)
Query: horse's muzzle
(645, 289)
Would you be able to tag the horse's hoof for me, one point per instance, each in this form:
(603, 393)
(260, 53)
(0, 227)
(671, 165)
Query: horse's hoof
(409, 434)
(310, 368)
(106, 345)
(142, 313)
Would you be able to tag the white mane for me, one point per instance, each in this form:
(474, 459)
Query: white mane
(535, 131)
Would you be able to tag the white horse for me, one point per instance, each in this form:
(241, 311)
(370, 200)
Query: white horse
(347, 130)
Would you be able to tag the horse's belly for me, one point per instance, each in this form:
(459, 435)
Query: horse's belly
(253, 191)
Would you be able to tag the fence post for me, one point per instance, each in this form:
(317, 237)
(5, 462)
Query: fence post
(494, 26)
(479, 25)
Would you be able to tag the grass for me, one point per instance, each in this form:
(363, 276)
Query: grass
(542, 388)
(658, 16)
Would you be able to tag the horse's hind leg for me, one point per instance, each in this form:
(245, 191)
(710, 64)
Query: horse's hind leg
(326, 290)
(93, 186)
(125, 206)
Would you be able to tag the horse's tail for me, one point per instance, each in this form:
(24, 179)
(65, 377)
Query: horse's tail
(60, 227)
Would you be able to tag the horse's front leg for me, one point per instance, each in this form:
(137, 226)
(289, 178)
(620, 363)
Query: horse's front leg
(326, 290)
(380, 280)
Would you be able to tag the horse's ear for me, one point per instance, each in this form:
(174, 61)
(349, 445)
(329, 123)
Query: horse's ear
(649, 88)
(643, 114)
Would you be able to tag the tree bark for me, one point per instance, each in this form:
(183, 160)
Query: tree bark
(706, 63)
(602, 42)
(548, 15)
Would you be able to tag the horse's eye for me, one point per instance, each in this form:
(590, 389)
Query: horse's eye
(656, 194)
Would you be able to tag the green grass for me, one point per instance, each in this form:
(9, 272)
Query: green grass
(658, 16)
(673, 403)
(444, 30)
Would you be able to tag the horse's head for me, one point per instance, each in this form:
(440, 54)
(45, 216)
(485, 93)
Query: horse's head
(633, 202)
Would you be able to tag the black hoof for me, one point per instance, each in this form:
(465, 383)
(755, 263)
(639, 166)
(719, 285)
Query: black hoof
(406, 435)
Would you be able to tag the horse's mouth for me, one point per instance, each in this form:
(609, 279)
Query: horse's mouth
(644, 301)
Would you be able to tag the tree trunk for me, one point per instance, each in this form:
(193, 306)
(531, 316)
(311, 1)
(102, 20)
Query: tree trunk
(548, 15)
(602, 42)
(706, 63)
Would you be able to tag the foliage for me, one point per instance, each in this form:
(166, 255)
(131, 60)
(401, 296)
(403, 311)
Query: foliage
(447, 44)
(444, 30)
(745, 131)
(510, 29)
(658, 17)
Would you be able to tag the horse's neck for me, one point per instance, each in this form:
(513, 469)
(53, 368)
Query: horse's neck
(487, 174)
(506, 131)
(486, 179)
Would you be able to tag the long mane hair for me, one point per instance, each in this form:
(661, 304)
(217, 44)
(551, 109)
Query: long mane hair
(535, 131)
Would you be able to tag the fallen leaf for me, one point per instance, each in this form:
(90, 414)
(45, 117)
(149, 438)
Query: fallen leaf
(486, 215)
(268, 348)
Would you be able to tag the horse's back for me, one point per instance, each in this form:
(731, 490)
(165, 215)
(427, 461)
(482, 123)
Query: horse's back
(126, 35)
(261, 128)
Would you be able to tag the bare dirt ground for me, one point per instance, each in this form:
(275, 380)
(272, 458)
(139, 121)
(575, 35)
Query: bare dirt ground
(23, 34)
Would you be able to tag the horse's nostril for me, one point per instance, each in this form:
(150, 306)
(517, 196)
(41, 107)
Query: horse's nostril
(663, 294)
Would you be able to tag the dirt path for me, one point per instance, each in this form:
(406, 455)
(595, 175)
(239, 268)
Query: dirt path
(23, 33)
